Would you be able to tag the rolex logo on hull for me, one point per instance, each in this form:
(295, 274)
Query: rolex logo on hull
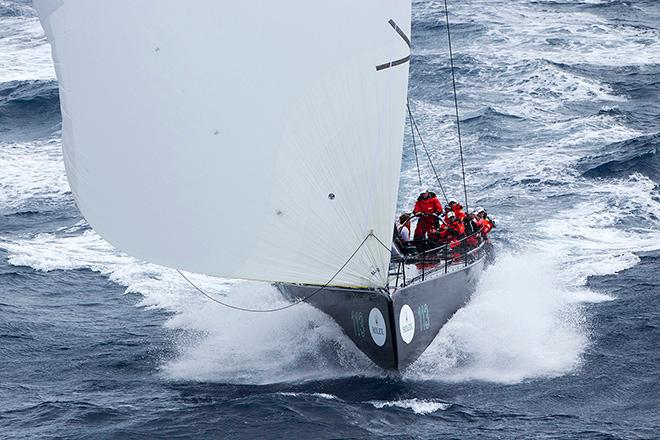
(407, 324)
(377, 327)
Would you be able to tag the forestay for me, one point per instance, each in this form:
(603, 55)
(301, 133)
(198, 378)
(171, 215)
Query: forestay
(253, 140)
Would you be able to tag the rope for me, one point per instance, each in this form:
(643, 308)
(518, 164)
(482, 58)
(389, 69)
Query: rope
(382, 244)
(458, 120)
(428, 156)
(288, 306)
(412, 131)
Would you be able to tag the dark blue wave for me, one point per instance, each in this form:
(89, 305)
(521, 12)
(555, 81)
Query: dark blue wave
(490, 114)
(638, 84)
(620, 159)
(29, 109)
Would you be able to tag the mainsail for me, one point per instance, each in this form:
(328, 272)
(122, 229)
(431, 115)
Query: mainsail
(255, 140)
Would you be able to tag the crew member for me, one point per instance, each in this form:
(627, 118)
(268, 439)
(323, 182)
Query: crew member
(458, 209)
(446, 232)
(487, 224)
(448, 211)
(403, 228)
(455, 235)
(453, 229)
(402, 236)
(472, 228)
(428, 208)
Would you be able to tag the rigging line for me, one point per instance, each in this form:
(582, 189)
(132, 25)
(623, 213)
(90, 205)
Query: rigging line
(428, 155)
(288, 306)
(382, 244)
(458, 120)
(412, 130)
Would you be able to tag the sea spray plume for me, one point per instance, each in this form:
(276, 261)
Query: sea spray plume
(519, 325)
(296, 345)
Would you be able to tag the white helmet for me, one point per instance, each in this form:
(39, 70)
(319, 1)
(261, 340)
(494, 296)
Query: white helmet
(452, 200)
(479, 209)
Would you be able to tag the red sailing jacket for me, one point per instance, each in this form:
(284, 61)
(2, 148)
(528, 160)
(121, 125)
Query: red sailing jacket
(458, 227)
(458, 212)
(428, 206)
(486, 226)
(452, 229)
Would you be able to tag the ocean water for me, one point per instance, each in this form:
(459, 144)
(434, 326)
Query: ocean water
(560, 109)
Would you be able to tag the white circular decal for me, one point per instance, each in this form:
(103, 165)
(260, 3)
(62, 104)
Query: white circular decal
(407, 324)
(377, 327)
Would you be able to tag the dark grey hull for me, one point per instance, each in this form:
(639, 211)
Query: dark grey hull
(394, 330)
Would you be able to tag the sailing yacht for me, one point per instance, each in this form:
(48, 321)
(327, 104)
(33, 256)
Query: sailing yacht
(255, 141)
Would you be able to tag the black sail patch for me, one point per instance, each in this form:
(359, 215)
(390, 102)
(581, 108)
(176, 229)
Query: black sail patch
(399, 61)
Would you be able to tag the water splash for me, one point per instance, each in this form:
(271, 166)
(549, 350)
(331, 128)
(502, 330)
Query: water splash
(519, 325)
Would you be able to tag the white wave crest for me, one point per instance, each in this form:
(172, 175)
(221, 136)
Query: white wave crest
(418, 406)
(324, 396)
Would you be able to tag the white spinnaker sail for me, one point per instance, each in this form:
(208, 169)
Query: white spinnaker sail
(209, 135)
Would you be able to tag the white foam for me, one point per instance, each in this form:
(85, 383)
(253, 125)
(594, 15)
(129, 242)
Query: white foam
(528, 32)
(418, 406)
(24, 51)
(315, 395)
(296, 345)
(571, 141)
(32, 172)
(540, 90)
(592, 236)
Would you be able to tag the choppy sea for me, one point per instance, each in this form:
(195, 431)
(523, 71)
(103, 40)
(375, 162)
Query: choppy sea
(560, 109)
